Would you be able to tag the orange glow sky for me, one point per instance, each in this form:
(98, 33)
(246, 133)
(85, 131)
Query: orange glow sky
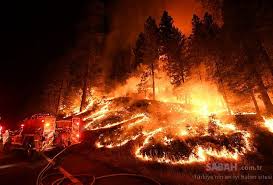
(182, 11)
(128, 18)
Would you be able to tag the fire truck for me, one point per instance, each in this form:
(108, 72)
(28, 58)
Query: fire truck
(41, 132)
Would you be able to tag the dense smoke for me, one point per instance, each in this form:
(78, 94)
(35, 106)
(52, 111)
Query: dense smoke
(128, 17)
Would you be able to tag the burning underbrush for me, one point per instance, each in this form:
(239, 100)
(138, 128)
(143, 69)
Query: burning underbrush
(165, 132)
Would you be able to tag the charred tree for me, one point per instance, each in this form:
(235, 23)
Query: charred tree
(243, 27)
(255, 102)
(264, 95)
(251, 48)
(85, 87)
(265, 57)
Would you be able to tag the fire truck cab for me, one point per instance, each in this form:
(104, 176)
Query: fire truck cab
(41, 132)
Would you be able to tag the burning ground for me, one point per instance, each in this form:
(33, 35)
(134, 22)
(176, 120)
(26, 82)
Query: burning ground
(165, 132)
(184, 127)
(165, 139)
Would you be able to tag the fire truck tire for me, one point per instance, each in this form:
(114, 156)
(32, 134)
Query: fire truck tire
(31, 154)
(29, 148)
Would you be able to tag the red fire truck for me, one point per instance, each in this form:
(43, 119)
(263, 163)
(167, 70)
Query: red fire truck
(41, 132)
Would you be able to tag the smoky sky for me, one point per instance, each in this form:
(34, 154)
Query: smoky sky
(127, 20)
(35, 34)
(128, 17)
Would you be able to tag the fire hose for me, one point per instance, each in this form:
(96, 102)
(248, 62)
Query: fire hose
(59, 181)
(95, 179)
(50, 164)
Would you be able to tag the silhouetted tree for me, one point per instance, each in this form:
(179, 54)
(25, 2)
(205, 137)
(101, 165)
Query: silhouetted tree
(139, 50)
(172, 49)
(146, 50)
(204, 47)
(242, 28)
(165, 33)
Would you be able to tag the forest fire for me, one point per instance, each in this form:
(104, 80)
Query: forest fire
(177, 101)
(163, 132)
(158, 92)
(172, 129)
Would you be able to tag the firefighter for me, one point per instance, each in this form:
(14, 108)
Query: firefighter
(6, 141)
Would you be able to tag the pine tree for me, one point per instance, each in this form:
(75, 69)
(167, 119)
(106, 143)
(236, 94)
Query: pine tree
(146, 51)
(165, 33)
(172, 47)
(205, 48)
(151, 53)
(139, 50)
(177, 66)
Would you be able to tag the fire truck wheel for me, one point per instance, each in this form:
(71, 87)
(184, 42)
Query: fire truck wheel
(30, 153)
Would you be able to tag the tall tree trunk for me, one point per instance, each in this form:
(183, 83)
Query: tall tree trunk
(84, 88)
(153, 78)
(59, 98)
(225, 96)
(226, 100)
(255, 102)
(223, 87)
(252, 50)
(266, 58)
(264, 95)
